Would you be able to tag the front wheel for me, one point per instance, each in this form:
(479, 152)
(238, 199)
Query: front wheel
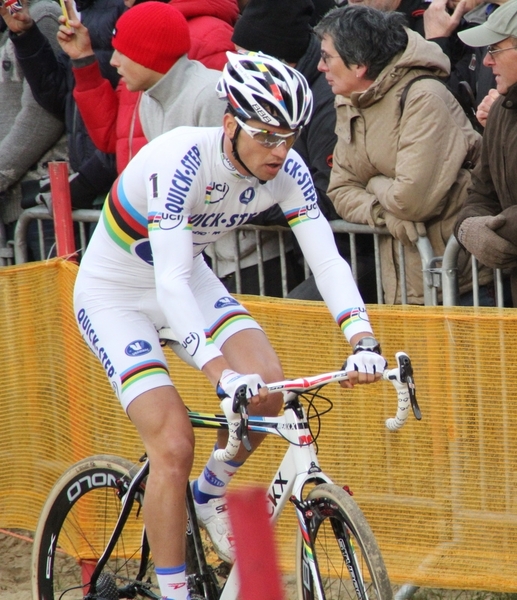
(338, 549)
(75, 525)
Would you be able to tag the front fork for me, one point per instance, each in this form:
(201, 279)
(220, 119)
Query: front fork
(311, 581)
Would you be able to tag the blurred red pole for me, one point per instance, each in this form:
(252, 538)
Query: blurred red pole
(62, 208)
(255, 549)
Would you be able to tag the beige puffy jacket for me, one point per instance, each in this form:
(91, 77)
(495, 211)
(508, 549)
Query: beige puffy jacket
(408, 163)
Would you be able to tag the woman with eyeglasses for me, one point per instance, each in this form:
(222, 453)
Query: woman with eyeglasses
(400, 163)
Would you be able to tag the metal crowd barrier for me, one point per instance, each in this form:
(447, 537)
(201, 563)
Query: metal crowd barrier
(439, 272)
(449, 274)
(6, 249)
(431, 283)
(40, 213)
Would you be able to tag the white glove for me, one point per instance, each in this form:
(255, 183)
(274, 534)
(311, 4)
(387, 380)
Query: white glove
(227, 386)
(365, 362)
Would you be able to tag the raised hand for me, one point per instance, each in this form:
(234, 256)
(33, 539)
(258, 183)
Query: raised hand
(438, 22)
(73, 36)
(20, 21)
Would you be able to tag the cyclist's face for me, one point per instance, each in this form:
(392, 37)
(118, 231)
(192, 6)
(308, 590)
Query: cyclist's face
(265, 163)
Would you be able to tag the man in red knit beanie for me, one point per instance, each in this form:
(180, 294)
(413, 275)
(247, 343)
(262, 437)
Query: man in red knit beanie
(144, 37)
(160, 87)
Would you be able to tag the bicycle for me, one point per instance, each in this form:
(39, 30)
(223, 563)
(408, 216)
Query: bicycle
(90, 543)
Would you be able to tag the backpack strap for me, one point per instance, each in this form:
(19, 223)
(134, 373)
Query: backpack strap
(403, 96)
(410, 83)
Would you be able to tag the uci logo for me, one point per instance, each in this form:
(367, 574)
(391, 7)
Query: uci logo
(167, 221)
(138, 348)
(311, 211)
(215, 192)
(191, 343)
(359, 313)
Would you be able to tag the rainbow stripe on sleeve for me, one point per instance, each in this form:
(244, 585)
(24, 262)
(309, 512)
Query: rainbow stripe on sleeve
(295, 217)
(348, 317)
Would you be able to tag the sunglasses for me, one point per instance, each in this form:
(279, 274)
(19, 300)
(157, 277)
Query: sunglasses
(269, 139)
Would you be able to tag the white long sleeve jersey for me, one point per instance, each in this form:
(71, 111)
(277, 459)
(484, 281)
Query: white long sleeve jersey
(179, 194)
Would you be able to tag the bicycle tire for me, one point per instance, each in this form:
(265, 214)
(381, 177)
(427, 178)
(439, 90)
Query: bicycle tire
(345, 551)
(67, 543)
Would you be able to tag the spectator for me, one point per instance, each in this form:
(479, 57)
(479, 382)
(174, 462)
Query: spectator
(483, 76)
(29, 135)
(469, 62)
(413, 10)
(52, 82)
(407, 171)
(438, 21)
(487, 224)
(154, 71)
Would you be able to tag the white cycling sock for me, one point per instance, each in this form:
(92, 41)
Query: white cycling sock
(173, 582)
(214, 479)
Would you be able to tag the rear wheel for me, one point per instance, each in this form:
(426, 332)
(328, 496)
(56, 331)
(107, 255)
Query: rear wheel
(346, 556)
(74, 528)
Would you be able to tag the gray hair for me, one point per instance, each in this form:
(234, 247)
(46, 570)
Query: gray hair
(364, 36)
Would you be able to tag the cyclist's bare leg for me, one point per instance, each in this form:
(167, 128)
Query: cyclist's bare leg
(249, 351)
(163, 424)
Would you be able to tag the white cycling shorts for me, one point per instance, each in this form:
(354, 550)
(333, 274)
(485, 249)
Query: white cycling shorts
(119, 322)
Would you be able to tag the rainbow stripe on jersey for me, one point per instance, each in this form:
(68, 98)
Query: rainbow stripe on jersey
(124, 224)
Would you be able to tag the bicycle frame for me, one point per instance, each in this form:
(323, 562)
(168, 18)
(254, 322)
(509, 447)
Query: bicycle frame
(299, 465)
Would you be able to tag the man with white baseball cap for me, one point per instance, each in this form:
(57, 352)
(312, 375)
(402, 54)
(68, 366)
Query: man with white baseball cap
(487, 224)
(499, 34)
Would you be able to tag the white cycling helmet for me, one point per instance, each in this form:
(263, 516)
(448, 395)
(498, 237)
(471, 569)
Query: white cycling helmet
(258, 86)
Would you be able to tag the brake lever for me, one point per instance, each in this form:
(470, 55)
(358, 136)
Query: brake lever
(406, 376)
(240, 403)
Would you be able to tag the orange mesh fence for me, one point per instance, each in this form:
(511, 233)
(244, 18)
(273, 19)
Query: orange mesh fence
(440, 495)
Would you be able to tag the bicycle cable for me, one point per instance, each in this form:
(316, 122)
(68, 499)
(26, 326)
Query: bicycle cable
(314, 412)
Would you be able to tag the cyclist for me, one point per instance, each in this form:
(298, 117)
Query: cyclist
(144, 270)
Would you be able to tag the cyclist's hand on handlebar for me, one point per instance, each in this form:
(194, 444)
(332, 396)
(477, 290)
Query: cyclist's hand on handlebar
(230, 382)
(363, 367)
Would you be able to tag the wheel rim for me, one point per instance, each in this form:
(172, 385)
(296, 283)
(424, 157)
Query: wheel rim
(77, 530)
(344, 552)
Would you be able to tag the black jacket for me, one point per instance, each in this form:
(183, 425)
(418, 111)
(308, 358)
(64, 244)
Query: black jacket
(52, 82)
